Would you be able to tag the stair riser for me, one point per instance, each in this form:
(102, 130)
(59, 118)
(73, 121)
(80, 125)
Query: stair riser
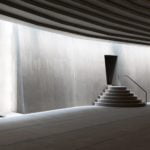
(120, 105)
(116, 91)
(113, 86)
(120, 89)
(101, 99)
(118, 97)
(119, 101)
(116, 94)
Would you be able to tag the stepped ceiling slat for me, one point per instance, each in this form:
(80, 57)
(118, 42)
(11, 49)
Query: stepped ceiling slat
(118, 20)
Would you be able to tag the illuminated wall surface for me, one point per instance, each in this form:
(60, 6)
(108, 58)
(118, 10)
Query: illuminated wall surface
(56, 71)
(7, 68)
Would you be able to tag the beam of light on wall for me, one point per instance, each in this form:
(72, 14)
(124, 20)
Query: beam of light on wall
(58, 70)
(7, 68)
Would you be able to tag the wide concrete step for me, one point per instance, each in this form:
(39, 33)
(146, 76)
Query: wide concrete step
(119, 97)
(118, 101)
(117, 91)
(120, 104)
(117, 94)
(116, 87)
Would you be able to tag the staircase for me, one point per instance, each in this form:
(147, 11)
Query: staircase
(118, 96)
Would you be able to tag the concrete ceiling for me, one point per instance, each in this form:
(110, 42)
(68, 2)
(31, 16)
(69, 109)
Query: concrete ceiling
(118, 20)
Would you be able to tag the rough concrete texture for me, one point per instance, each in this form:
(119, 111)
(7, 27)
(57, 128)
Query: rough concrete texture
(134, 61)
(60, 71)
(57, 71)
(80, 128)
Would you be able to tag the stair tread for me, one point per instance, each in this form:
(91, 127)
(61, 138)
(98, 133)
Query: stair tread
(123, 100)
(116, 86)
(118, 96)
(120, 104)
(119, 90)
(120, 101)
(113, 96)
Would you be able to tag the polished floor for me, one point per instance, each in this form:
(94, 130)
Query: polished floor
(78, 128)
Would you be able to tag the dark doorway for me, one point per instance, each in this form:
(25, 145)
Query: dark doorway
(110, 63)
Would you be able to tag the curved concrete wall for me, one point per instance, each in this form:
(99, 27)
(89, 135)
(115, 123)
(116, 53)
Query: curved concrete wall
(57, 71)
(60, 71)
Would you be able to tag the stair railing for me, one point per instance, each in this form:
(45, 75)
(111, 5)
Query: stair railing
(133, 81)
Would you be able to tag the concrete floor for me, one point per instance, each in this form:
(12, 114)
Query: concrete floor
(79, 128)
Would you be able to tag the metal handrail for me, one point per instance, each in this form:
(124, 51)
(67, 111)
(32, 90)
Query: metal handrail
(128, 77)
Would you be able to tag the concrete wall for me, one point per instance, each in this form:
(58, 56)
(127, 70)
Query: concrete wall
(57, 71)
(60, 71)
(134, 61)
